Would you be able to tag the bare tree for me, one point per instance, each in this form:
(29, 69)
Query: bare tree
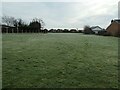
(8, 20)
(39, 21)
(36, 25)
(42, 24)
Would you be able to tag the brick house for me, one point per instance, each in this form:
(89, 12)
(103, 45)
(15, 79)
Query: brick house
(114, 28)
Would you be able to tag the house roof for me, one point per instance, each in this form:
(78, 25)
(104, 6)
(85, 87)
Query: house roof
(7, 26)
(93, 27)
(117, 20)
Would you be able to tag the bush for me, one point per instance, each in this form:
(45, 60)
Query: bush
(102, 32)
(88, 30)
(106, 34)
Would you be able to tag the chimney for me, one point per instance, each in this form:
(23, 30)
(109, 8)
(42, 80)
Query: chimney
(112, 21)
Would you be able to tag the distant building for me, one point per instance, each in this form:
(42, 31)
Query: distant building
(73, 30)
(52, 30)
(7, 29)
(59, 30)
(114, 28)
(96, 29)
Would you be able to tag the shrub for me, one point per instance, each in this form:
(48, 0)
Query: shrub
(102, 32)
(88, 30)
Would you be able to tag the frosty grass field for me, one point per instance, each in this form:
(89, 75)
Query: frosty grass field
(59, 61)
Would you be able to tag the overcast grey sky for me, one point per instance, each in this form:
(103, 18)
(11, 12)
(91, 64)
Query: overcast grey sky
(64, 14)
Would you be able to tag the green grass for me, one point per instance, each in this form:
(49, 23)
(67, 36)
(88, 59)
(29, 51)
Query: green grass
(59, 61)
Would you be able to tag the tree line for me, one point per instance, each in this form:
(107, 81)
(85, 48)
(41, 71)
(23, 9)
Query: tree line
(36, 25)
(17, 25)
(64, 31)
